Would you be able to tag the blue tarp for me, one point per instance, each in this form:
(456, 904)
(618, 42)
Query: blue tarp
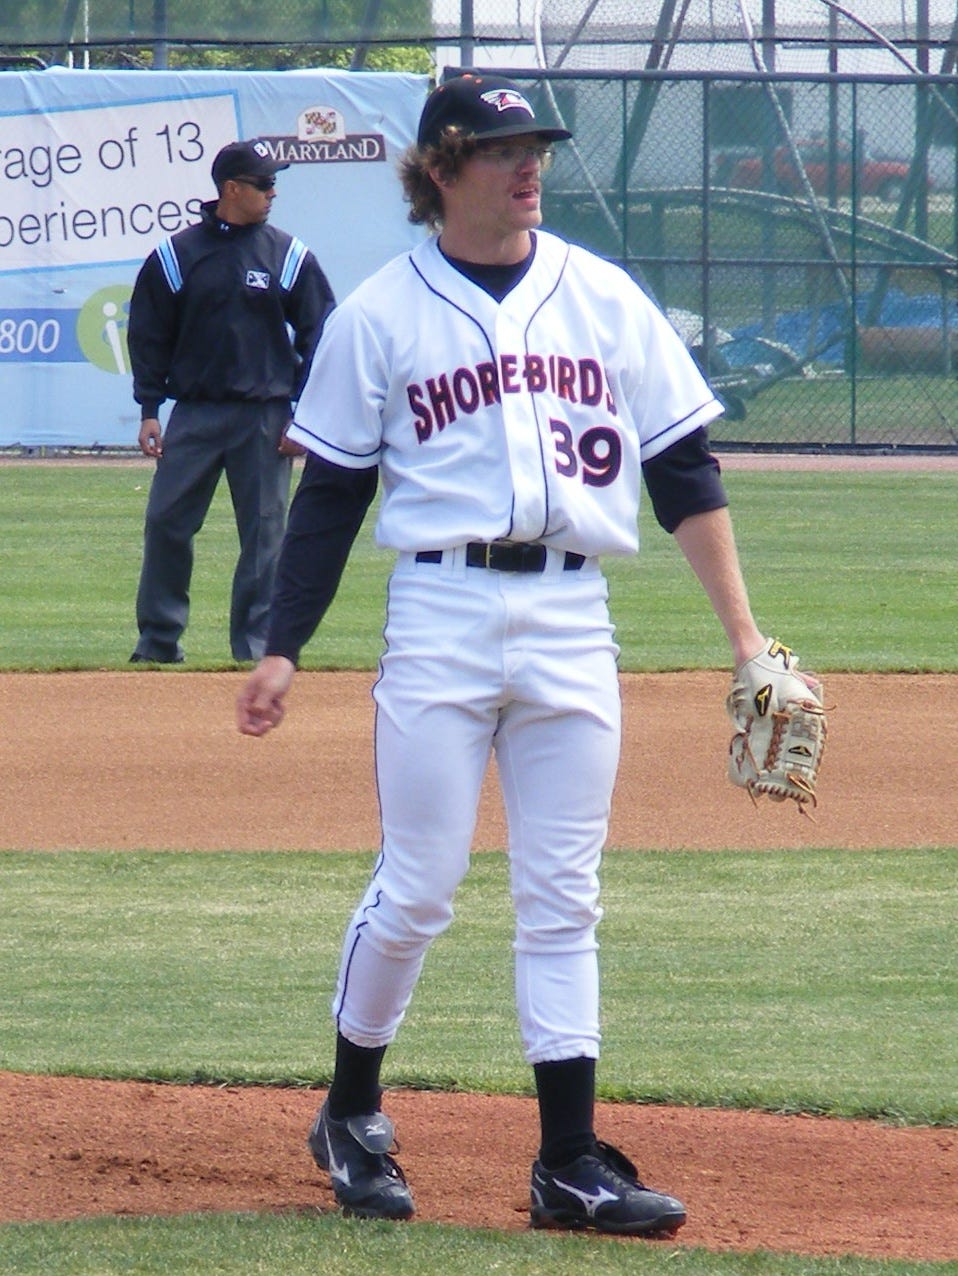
(899, 310)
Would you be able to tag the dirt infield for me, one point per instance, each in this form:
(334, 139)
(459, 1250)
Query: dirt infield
(152, 760)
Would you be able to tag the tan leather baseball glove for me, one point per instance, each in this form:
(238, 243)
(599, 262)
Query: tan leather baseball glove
(780, 728)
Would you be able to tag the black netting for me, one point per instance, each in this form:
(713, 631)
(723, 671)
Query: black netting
(800, 234)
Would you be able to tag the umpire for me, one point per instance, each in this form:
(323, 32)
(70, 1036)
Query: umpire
(224, 319)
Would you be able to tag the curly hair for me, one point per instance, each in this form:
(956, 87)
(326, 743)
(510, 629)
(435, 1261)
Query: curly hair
(415, 172)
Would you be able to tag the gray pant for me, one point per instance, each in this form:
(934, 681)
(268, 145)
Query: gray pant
(200, 442)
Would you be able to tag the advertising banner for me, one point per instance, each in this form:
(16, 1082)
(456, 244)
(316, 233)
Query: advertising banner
(97, 168)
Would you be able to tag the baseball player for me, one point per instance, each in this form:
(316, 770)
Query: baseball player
(512, 390)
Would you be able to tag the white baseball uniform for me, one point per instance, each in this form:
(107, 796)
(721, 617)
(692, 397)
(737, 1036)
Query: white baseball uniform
(525, 420)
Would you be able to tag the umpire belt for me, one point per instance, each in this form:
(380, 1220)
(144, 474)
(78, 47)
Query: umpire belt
(506, 556)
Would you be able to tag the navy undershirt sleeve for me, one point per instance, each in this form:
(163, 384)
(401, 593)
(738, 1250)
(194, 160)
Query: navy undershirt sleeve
(685, 479)
(325, 515)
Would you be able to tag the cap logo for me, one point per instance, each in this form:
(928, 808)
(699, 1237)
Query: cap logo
(506, 100)
(261, 149)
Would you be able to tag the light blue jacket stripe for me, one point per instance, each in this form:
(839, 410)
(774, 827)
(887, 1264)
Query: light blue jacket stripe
(291, 266)
(171, 267)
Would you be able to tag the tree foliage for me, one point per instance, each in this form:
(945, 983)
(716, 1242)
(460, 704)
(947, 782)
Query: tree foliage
(228, 34)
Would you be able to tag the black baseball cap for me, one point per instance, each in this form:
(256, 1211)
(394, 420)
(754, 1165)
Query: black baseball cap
(481, 106)
(245, 159)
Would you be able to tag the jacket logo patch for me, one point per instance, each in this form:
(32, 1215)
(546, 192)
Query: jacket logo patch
(257, 279)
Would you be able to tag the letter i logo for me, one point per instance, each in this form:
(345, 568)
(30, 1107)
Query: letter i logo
(101, 329)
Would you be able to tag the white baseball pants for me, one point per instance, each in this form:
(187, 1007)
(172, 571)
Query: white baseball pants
(523, 664)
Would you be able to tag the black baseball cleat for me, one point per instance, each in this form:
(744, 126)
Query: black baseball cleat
(602, 1191)
(173, 657)
(366, 1180)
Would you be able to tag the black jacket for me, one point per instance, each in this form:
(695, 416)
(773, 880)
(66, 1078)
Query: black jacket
(209, 313)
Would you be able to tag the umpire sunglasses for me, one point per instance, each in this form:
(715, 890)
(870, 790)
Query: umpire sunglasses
(263, 184)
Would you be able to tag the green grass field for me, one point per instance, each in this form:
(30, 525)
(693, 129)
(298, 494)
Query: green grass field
(815, 981)
(872, 410)
(852, 569)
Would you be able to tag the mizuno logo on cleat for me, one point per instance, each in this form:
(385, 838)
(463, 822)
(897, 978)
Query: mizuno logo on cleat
(591, 1200)
(338, 1170)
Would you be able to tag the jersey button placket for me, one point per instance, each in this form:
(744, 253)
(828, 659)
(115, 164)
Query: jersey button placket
(521, 433)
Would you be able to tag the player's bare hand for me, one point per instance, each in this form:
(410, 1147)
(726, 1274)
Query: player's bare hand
(288, 448)
(259, 706)
(150, 437)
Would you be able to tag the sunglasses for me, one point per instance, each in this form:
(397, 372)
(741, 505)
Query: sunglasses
(510, 157)
(263, 184)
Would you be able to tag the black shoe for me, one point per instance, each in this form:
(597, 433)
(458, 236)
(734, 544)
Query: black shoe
(167, 658)
(366, 1180)
(602, 1191)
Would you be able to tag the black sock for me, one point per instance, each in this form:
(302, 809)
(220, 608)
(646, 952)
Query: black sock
(355, 1090)
(566, 1092)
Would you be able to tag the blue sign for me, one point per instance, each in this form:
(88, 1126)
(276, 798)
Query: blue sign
(99, 167)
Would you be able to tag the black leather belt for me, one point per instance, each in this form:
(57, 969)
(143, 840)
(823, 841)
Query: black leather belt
(505, 556)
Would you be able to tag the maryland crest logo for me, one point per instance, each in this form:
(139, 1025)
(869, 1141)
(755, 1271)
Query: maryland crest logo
(322, 138)
(320, 122)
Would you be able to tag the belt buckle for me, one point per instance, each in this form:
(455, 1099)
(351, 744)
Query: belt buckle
(517, 556)
(506, 556)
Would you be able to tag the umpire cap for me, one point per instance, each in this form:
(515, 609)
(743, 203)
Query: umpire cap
(245, 159)
(481, 106)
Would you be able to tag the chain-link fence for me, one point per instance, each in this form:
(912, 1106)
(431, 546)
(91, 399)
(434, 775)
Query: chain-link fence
(800, 232)
(878, 36)
(621, 34)
(800, 229)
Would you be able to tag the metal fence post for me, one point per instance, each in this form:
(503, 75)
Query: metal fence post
(161, 47)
